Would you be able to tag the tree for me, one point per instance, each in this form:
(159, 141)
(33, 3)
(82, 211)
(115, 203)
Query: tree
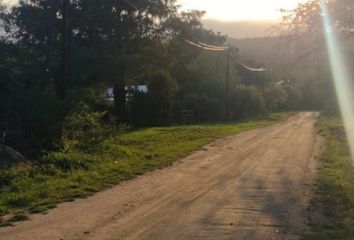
(303, 32)
(119, 43)
(130, 25)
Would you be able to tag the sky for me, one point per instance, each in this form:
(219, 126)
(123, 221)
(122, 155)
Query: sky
(231, 10)
(238, 18)
(240, 10)
(241, 18)
(241, 28)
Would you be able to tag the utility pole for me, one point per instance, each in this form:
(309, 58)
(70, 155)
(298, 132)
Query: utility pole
(61, 82)
(227, 84)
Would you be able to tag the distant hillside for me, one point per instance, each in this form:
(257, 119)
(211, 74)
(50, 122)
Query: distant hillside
(264, 50)
(241, 29)
(259, 48)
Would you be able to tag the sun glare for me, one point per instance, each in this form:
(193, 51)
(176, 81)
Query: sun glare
(226, 10)
(341, 76)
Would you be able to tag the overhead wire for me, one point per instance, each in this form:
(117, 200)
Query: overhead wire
(212, 46)
(262, 69)
(204, 47)
(279, 83)
(283, 81)
(209, 47)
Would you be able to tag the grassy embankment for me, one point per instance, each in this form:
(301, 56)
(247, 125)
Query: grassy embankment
(85, 169)
(335, 197)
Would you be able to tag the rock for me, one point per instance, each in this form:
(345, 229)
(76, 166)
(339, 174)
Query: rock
(10, 157)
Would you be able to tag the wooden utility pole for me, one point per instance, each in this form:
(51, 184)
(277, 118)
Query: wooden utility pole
(64, 68)
(227, 84)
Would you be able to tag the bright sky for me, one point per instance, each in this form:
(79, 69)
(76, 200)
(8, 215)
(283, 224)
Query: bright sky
(231, 10)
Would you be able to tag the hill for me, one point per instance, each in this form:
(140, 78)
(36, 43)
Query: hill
(262, 47)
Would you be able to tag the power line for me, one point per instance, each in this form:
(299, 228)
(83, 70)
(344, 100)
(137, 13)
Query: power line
(262, 69)
(212, 48)
(283, 81)
(217, 48)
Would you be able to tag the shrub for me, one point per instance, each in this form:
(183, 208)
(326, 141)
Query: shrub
(86, 126)
(246, 102)
(154, 107)
(208, 109)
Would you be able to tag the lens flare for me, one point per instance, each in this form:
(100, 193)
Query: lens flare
(341, 76)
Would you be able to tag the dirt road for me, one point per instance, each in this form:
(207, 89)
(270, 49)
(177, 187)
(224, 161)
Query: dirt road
(254, 186)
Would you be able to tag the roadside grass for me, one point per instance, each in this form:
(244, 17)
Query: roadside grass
(335, 198)
(88, 168)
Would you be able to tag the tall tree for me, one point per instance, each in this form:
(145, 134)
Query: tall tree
(303, 29)
(116, 31)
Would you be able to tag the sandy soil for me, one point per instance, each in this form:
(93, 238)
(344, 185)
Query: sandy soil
(256, 185)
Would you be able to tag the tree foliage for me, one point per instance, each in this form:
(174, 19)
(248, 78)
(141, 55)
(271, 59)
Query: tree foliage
(119, 44)
(303, 34)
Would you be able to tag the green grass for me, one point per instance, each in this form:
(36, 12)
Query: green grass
(336, 186)
(87, 168)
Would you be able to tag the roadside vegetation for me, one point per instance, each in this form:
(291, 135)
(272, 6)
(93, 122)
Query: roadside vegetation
(335, 198)
(87, 167)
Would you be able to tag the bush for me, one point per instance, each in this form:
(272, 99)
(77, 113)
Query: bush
(274, 97)
(143, 111)
(208, 109)
(33, 119)
(154, 107)
(246, 102)
(86, 126)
